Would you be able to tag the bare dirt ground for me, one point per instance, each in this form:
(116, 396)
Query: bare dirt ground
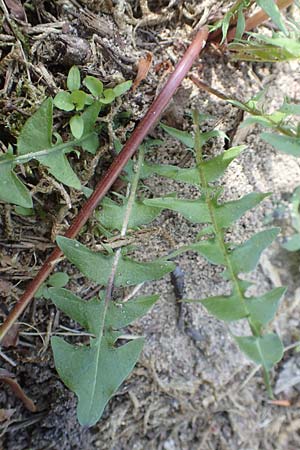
(192, 389)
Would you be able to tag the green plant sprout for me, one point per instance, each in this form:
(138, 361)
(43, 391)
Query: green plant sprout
(76, 98)
(35, 141)
(57, 279)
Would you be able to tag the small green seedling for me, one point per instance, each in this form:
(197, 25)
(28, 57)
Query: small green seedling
(58, 280)
(37, 140)
(77, 99)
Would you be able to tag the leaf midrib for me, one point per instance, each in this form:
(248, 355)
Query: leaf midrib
(18, 159)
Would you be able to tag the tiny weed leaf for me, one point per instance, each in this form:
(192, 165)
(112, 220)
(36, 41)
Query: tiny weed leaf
(109, 96)
(77, 126)
(79, 99)
(58, 279)
(95, 372)
(35, 142)
(293, 243)
(121, 88)
(63, 101)
(94, 85)
(90, 116)
(73, 80)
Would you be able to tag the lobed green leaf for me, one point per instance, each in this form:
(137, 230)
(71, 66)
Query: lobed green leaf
(183, 136)
(245, 257)
(229, 212)
(12, 190)
(97, 266)
(36, 133)
(213, 168)
(112, 214)
(195, 211)
(36, 136)
(228, 308)
(285, 144)
(96, 371)
(262, 309)
(265, 350)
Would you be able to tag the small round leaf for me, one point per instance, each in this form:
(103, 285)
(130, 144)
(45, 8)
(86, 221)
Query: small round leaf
(94, 85)
(63, 101)
(77, 126)
(58, 279)
(120, 89)
(78, 97)
(109, 96)
(73, 80)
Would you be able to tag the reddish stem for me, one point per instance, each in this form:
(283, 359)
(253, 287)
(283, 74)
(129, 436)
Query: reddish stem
(113, 172)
